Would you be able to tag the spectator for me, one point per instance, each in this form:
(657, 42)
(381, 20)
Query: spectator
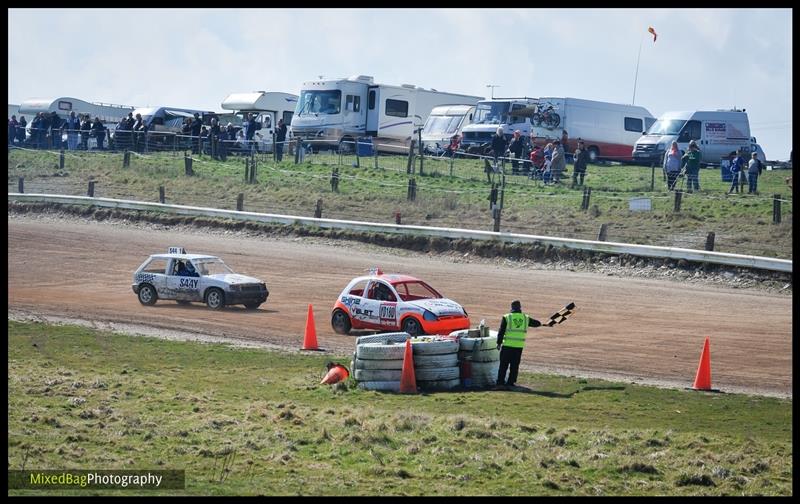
(99, 132)
(559, 162)
(250, 131)
(548, 161)
(499, 147)
(672, 165)
(12, 129)
(537, 162)
(581, 159)
(36, 131)
(86, 129)
(280, 138)
(138, 130)
(55, 131)
(21, 130)
(517, 146)
(737, 170)
(197, 127)
(691, 160)
(452, 148)
(72, 125)
(754, 169)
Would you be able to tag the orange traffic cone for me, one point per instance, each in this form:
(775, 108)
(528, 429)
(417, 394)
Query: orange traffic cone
(702, 381)
(408, 382)
(310, 340)
(336, 373)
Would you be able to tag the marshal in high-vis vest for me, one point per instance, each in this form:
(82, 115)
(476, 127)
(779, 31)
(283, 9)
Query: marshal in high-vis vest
(511, 336)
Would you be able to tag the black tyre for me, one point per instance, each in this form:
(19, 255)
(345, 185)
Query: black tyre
(147, 295)
(252, 306)
(556, 119)
(340, 322)
(537, 119)
(215, 299)
(594, 154)
(412, 326)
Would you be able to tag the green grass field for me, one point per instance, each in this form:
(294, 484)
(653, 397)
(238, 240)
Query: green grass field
(741, 223)
(253, 422)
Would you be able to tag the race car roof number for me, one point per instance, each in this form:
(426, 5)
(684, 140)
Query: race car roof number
(176, 250)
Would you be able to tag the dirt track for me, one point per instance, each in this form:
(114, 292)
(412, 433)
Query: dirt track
(647, 331)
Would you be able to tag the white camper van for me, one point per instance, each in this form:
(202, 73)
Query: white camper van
(337, 112)
(268, 107)
(107, 113)
(509, 113)
(443, 123)
(608, 130)
(718, 133)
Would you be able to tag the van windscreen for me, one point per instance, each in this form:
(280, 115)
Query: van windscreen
(666, 127)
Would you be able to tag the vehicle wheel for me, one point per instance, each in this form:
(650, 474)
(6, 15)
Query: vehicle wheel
(182, 302)
(347, 146)
(412, 326)
(556, 120)
(147, 295)
(537, 119)
(340, 322)
(594, 154)
(215, 299)
(252, 306)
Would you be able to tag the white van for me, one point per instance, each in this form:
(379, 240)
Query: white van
(608, 130)
(443, 123)
(267, 107)
(718, 133)
(511, 114)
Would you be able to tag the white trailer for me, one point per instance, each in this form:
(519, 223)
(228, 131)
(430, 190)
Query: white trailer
(511, 114)
(337, 112)
(62, 106)
(608, 130)
(443, 123)
(267, 107)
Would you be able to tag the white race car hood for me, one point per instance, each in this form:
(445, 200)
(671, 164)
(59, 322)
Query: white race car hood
(235, 278)
(439, 307)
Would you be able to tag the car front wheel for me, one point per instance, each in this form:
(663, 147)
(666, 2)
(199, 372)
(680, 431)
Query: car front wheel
(412, 326)
(215, 299)
(340, 322)
(147, 295)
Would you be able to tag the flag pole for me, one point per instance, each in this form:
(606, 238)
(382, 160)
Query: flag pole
(636, 77)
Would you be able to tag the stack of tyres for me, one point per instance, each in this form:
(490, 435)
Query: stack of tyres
(435, 363)
(483, 355)
(378, 361)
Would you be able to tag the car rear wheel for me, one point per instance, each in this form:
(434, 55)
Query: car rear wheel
(215, 299)
(340, 322)
(412, 326)
(147, 295)
(252, 306)
(594, 153)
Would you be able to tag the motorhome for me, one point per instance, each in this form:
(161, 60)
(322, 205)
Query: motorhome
(608, 130)
(443, 123)
(718, 133)
(107, 113)
(267, 107)
(511, 114)
(338, 111)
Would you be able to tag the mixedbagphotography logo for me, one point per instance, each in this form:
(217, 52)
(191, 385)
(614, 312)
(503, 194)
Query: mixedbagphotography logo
(96, 479)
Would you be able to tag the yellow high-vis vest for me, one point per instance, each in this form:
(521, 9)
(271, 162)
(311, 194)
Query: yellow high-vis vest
(516, 330)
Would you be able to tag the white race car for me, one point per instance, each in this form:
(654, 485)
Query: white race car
(184, 278)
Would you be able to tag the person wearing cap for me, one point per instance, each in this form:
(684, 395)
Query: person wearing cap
(511, 341)
(737, 170)
(754, 169)
(517, 146)
(691, 161)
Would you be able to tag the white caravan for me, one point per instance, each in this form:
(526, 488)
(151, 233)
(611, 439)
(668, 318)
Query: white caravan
(443, 123)
(608, 130)
(337, 112)
(107, 113)
(508, 113)
(268, 107)
(718, 133)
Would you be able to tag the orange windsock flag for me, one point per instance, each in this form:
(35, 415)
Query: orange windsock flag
(653, 31)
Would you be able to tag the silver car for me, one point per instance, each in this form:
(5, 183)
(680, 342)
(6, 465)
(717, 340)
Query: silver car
(194, 277)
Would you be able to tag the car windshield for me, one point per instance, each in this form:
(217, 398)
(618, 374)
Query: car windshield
(319, 102)
(666, 127)
(410, 291)
(208, 267)
(491, 112)
(441, 125)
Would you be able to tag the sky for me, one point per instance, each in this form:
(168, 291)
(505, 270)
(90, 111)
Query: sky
(703, 59)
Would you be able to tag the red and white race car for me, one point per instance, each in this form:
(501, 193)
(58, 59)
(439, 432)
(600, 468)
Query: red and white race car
(392, 302)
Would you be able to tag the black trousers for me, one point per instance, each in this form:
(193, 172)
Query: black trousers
(509, 356)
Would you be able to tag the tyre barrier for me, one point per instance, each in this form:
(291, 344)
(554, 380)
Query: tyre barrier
(488, 355)
(467, 342)
(386, 386)
(380, 351)
(433, 347)
(394, 337)
(378, 374)
(435, 361)
(378, 364)
(484, 374)
(439, 384)
(422, 375)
